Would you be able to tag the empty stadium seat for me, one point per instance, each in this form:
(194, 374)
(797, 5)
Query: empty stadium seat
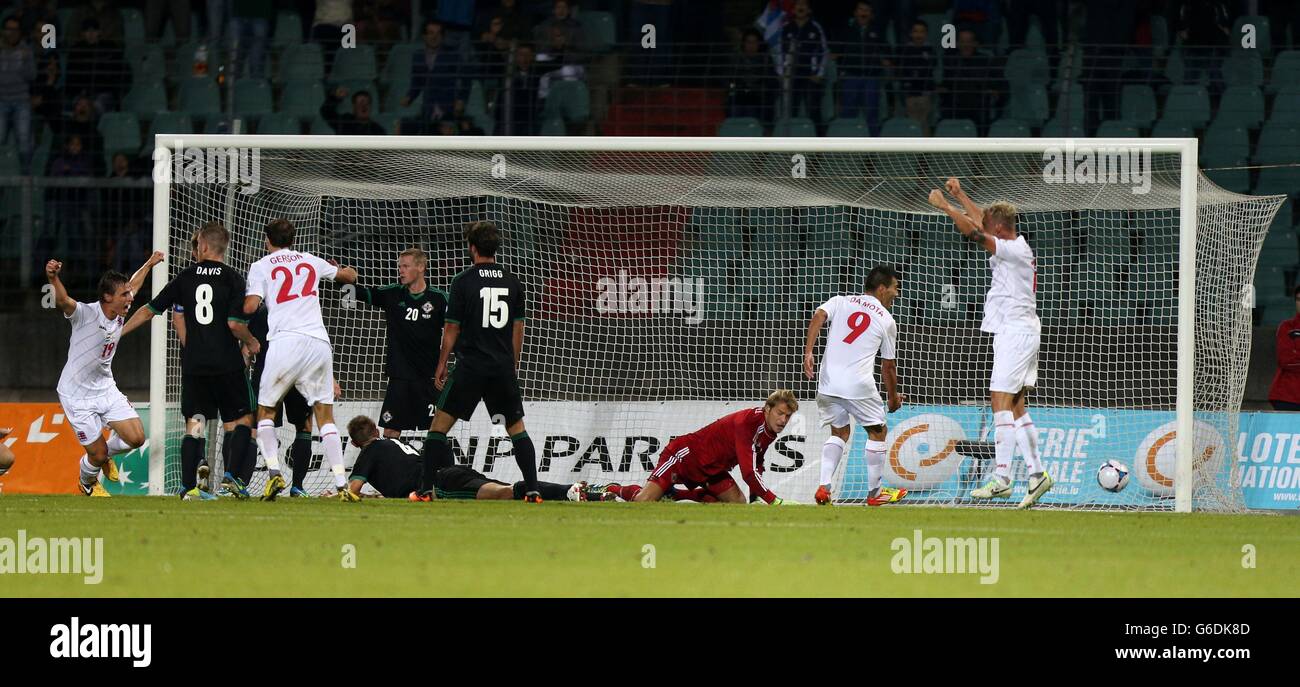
(1026, 67)
(1009, 128)
(1137, 104)
(1057, 128)
(302, 63)
(1278, 150)
(288, 30)
(147, 62)
(279, 123)
(598, 30)
(121, 132)
(397, 66)
(740, 126)
(1226, 145)
(900, 127)
(252, 97)
(167, 123)
(1243, 68)
(1029, 105)
(1286, 106)
(955, 128)
(132, 26)
(354, 64)
(794, 127)
(1188, 105)
(1241, 106)
(1286, 71)
(847, 127)
(1069, 102)
(199, 96)
(302, 99)
(145, 99)
(1117, 128)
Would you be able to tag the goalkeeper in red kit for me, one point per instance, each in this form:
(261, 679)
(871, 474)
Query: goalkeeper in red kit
(698, 466)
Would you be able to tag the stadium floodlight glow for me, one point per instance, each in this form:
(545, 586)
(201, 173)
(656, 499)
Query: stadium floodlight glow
(1142, 290)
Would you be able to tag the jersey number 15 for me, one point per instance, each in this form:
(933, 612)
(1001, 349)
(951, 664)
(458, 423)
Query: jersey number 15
(496, 310)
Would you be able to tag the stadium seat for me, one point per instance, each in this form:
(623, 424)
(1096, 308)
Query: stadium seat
(302, 63)
(1069, 103)
(145, 99)
(279, 123)
(740, 126)
(1286, 71)
(569, 100)
(288, 30)
(1159, 34)
(1026, 67)
(1278, 150)
(252, 97)
(389, 121)
(302, 99)
(1117, 128)
(397, 66)
(598, 30)
(794, 127)
(1176, 68)
(147, 62)
(1164, 129)
(1241, 106)
(10, 165)
(900, 127)
(1243, 68)
(121, 132)
(1029, 105)
(320, 127)
(393, 103)
(1263, 41)
(1009, 128)
(199, 96)
(167, 123)
(1286, 106)
(183, 61)
(554, 126)
(955, 128)
(1188, 105)
(132, 26)
(1057, 128)
(1226, 145)
(847, 127)
(1137, 104)
(354, 64)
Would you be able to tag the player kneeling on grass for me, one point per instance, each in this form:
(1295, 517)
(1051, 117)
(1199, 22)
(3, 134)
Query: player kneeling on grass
(860, 327)
(703, 459)
(393, 469)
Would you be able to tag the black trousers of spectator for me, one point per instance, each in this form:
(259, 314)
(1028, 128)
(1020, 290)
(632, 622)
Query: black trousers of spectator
(754, 103)
(330, 37)
(1048, 11)
(178, 10)
(1284, 405)
(808, 93)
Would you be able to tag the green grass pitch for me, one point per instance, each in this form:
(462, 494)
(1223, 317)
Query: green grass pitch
(166, 547)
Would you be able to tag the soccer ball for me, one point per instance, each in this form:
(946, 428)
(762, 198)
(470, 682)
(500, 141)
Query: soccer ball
(1113, 476)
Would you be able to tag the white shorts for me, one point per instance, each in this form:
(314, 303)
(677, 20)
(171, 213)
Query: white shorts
(300, 362)
(1015, 362)
(89, 416)
(839, 412)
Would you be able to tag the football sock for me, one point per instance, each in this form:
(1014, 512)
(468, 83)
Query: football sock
(832, 450)
(526, 459)
(235, 450)
(270, 445)
(436, 455)
(550, 491)
(329, 439)
(1004, 447)
(300, 452)
(116, 445)
(875, 464)
(89, 473)
(1027, 440)
(628, 492)
(191, 450)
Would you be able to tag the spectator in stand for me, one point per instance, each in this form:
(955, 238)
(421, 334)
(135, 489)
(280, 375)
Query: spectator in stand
(327, 27)
(895, 14)
(490, 51)
(47, 100)
(96, 68)
(558, 62)
(17, 72)
(32, 16)
(1204, 27)
(805, 53)
(83, 123)
(250, 29)
(1285, 392)
(355, 123)
(754, 85)
(861, 55)
(514, 22)
(436, 74)
(915, 72)
(971, 80)
(520, 115)
(380, 21)
(126, 212)
(68, 210)
(561, 18)
(1049, 13)
(982, 17)
(156, 11)
(106, 13)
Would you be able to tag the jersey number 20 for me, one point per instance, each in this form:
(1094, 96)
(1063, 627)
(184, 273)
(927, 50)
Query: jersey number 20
(308, 287)
(496, 310)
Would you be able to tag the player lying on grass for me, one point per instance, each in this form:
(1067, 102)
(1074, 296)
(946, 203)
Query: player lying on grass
(7, 457)
(87, 390)
(704, 458)
(860, 327)
(1011, 316)
(393, 469)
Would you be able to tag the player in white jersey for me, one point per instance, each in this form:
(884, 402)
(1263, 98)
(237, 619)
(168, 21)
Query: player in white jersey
(86, 389)
(7, 457)
(1011, 316)
(860, 327)
(301, 357)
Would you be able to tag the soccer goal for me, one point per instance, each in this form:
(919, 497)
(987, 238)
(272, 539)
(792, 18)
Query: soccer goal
(671, 281)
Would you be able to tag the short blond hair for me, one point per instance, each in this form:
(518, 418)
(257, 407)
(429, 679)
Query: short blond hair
(785, 396)
(1003, 212)
(416, 254)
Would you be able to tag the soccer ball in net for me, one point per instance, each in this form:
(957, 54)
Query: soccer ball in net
(1112, 476)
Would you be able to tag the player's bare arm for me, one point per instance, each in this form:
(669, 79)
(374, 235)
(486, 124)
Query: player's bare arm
(241, 332)
(814, 330)
(138, 318)
(178, 322)
(450, 332)
(62, 301)
(972, 210)
(965, 225)
(889, 371)
(137, 279)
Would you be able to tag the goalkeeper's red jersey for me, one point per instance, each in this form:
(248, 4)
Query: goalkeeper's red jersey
(740, 438)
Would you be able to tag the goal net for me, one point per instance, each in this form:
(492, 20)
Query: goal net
(671, 281)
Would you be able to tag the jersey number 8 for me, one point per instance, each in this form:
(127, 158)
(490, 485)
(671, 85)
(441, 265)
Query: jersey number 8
(203, 304)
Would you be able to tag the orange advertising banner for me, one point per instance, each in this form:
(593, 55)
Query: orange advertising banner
(47, 453)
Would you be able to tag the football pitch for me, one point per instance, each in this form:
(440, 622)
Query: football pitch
(166, 547)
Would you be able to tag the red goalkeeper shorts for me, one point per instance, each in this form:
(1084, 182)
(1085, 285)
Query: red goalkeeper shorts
(676, 467)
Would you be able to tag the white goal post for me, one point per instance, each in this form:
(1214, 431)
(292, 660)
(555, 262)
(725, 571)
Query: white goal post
(754, 220)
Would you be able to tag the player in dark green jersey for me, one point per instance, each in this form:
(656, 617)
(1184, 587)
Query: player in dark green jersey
(485, 326)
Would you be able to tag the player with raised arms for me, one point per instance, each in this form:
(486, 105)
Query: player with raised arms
(1011, 316)
(300, 355)
(703, 459)
(485, 327)
(209, 295)
(415, 313)
(7, 457)
(860, 327)
(87, 391)
(393, 469)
